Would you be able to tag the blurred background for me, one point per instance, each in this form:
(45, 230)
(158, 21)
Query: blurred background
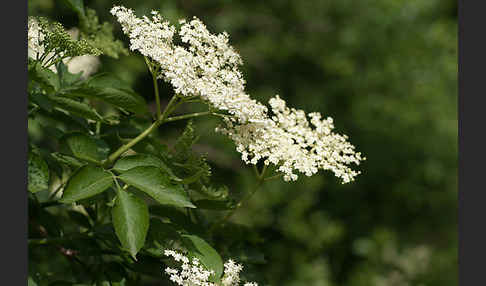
(386, 71)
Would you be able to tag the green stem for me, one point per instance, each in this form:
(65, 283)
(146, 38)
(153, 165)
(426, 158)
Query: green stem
(98, 127)
(168, 109)
(142, 135)
(181, 117)
(156, 87)
(257, 173)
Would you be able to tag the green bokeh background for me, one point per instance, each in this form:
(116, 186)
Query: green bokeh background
(386, 71)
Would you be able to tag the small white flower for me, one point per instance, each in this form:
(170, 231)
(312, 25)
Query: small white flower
(193, 273)
(208, 67)
(35, 36)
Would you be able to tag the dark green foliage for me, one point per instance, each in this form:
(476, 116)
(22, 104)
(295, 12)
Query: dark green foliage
(38, 173)
(87, 182)
(153, 181)
(192, 167)
(384, 70)
(131, 221)
(111, 90)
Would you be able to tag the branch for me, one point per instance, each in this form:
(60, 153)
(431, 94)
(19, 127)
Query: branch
(142, 135)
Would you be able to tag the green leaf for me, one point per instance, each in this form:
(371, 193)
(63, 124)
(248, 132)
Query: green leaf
(65, 77)
(75, 107)
(129, 162)
(41, 100)
(45, 77)
(205, 253)
(68, 160)
(84, 147)
(76, 5)
(152, 181)
(69, 122)
(113, 91)
(130, 218)
(38, 173)
(86, 182)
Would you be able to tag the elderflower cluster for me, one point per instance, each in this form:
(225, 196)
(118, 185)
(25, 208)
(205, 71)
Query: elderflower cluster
(193, 273)
(291, 141)
(37, 42)
(35, 37)
(208, 67)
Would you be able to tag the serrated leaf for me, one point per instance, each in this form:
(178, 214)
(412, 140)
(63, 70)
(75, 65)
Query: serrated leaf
(86, 182)
(205, 253)
(129, 162)
(113, 91)
(130, 218)
(156, 184)
(84, 147)
(75, 107)
(38, 173)
(76, 5)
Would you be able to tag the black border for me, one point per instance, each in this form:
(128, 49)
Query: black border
(13, 211)
(471, 77)
(472, 196)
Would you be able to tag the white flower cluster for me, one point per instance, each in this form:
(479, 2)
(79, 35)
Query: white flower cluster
(193, 273)
(88, 64)
(35, 36)
(288, 139)
(207, 66)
